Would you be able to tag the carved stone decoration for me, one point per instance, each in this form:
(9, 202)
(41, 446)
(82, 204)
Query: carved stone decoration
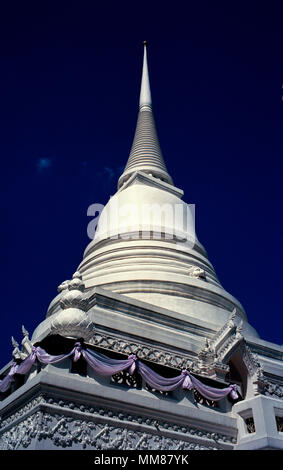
(255, 370)
(273, 390)
(16, 351)
(164, 358)
(26, 343)
(26, 346)
(239, 330)
(213, 358)
(73, 295)
(259, 381)
(228, 348)
(69, 432)
(22, 435)
(130, 380)
(45, 420)
(206, 359)
(197, 273)
(73, 322)
(227, 330)
(63, 286)
(221, 334)
(203, 401)
(249, 360)
(75, 283)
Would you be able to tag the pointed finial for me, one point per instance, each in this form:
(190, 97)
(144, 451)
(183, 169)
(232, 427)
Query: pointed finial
(14, 342)
(25, 332)
(145, 155)
(145, 95)
(16, 352)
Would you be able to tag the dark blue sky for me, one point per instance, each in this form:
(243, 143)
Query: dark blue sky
(69, 86)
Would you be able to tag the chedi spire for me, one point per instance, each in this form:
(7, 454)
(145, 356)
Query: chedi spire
(145, 153)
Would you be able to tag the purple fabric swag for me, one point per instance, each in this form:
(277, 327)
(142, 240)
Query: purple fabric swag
(105, 366)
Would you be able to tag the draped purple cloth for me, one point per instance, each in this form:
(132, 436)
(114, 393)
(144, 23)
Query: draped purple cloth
(161, 383)
(26, 365)
(45, 358)
(105, 366)
(7, 381)
(186, 381)
(212, 393)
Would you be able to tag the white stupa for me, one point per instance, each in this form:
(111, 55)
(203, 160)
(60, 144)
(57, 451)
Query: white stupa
(145, 286)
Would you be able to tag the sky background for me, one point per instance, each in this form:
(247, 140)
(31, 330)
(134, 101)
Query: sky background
(69, 90)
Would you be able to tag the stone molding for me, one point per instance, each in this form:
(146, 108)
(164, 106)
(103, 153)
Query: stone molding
(68, 424)
(147, 352)
(144, 178)
(211, 361)
(273, 389)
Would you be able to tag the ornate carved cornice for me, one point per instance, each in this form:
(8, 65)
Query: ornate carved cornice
(68, 423)
(273, 389)
(213, 358)
(143, 351)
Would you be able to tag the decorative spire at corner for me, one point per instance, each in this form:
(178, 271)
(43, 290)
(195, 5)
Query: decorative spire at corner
(145, 94)
(145, 155)
(26, 346)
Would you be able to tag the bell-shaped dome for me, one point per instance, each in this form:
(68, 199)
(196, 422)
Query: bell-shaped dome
(145, 247)
(146, 208)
